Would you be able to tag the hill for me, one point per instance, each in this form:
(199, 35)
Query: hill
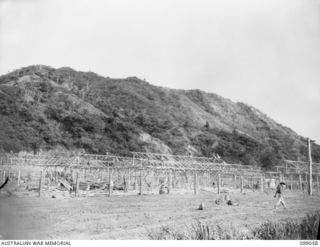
(43, 107)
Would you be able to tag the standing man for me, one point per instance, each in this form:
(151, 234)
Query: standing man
(279, 194)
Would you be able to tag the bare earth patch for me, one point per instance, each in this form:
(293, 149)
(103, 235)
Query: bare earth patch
(133, 217)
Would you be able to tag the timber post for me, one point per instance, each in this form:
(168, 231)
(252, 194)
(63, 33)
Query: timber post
(262, 183)
(40, 184)
(140, 183)
(219, 182)
(300, 182)
(110, 180)
(18, 178)
(195, 182)
(169, 181)
(129, 179)
(77, 185)
(309, 168)
(241, 184)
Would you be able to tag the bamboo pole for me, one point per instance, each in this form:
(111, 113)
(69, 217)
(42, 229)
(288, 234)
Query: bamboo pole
(291, 182)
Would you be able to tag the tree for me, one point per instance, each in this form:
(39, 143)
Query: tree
(268, 158)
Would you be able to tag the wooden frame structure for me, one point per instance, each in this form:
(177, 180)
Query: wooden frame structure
(195, 172)
(298, 167)
(139, 160)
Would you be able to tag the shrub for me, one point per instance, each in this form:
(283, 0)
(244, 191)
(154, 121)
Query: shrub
(307, 228)
(288, 229)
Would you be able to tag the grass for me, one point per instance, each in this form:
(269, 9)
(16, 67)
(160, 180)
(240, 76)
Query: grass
(307, 228)
(199, 231)
(289, 229)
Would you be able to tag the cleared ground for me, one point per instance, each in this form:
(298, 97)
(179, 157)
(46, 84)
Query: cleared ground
(133, 216)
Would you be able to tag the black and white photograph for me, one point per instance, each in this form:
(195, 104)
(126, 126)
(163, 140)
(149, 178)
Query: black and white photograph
(159, 120)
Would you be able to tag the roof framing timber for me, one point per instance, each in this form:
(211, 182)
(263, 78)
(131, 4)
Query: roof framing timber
(153, 161)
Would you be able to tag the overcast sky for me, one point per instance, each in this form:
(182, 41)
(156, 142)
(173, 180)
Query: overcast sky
(264, 53)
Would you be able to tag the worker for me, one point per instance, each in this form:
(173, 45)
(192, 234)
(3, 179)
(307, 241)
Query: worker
(279, 194)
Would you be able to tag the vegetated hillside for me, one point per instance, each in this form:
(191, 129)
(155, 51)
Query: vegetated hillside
(43, 107)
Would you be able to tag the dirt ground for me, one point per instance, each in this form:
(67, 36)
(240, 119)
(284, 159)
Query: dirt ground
(133, 216)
